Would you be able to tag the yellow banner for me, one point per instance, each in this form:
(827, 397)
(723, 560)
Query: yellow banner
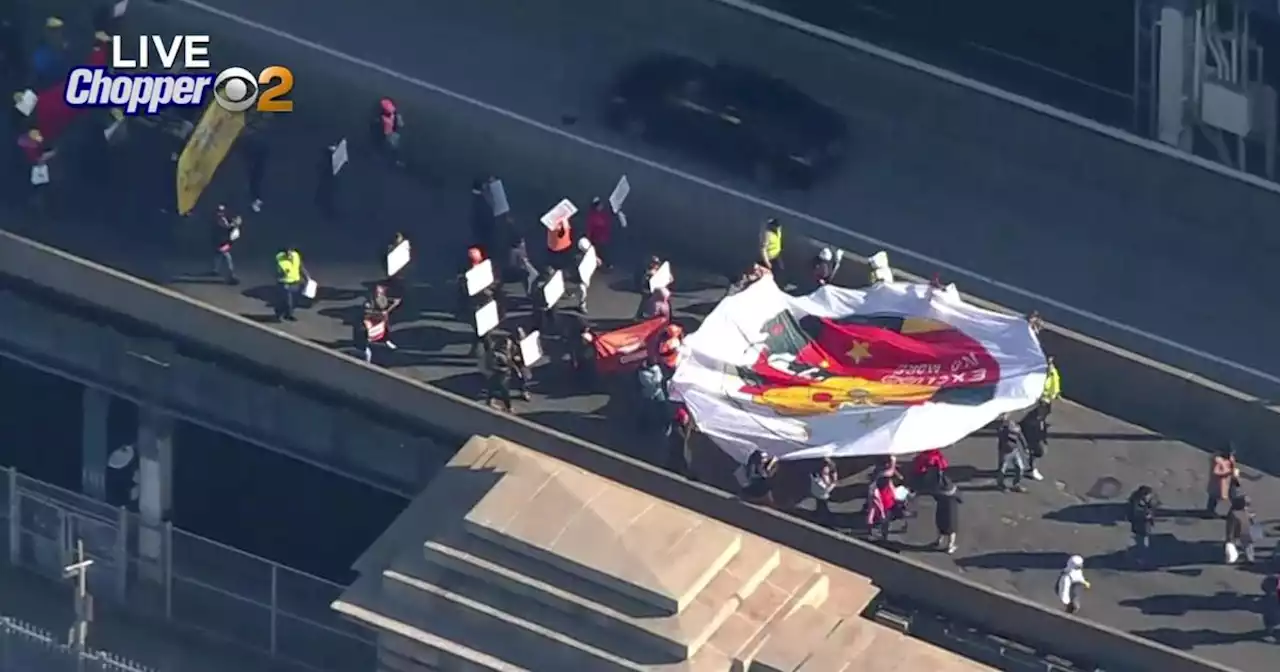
(205, 150)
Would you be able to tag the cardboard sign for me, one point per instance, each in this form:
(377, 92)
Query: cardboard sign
(39, 174)
(554, 289)
(487, 318)
(661, 277)
(531, 348)
(120, 8)
(587, 267)
(479, 277)
(340, 156)
(561, 213)
(399, 257)
(25, 102)
(311, 289)
(498, 198)
(619, 195)
(880, 271)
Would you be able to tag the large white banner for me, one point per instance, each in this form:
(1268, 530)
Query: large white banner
(893, 368)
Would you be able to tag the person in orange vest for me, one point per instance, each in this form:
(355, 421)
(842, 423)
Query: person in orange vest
(560, 245)
(669, 349)
(374, 328)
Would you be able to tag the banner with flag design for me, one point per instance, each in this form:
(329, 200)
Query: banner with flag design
(891, 369)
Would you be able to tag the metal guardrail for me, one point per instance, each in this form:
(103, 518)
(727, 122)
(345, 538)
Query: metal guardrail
(181, 578)
(27, 648)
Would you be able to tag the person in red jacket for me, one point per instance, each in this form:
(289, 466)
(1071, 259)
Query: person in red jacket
(600, 230)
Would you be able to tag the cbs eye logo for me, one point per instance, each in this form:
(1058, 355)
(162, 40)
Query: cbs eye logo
(237, 89)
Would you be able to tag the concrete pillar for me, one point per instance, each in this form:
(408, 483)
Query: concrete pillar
(1175, 74)
(93, 443)
(155, 480)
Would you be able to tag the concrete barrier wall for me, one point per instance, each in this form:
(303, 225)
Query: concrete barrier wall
(440, 411)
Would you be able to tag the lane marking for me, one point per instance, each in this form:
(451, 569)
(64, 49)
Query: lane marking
(863, 241)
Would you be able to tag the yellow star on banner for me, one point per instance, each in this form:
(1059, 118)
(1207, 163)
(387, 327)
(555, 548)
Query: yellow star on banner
(861, 350)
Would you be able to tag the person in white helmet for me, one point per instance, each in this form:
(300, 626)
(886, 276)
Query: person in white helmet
(825, 266)
(1070, 583)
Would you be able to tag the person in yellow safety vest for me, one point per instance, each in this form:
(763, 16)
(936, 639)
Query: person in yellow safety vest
(291, 275)
(1052, 388)
(771, 247)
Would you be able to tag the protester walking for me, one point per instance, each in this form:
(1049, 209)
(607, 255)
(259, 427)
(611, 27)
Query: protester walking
(946, 515)
(1239, 531)
(600, 231)
(1269, 606)
(1224, 473)
(1035, 430)
(1071, 583)
(822, 482)
(1142, 507)
(1011, 450)
(290, 276)
(253, 143)
(679, 435)
(757, 477)
(226, 231)
(653, 394)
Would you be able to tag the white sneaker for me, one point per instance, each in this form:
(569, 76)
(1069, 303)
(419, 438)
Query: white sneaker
(391, 346)
(1035, 475)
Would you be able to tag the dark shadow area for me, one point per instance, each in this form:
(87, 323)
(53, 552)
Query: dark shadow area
(1093, 513)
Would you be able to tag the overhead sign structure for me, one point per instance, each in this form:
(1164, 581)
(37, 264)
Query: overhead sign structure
(587, 267)
(559, 214)
(479, 277)
(554, 289)
(398, 257)
(661, 277)
(339, 157)
(487, 318)
(891, 369)
(531, 348)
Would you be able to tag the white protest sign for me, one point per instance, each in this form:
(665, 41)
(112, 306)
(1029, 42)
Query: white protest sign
(619, 195)
(110, 131)
(479, 277)
(233, 234)
(311, 289)
(661, 277)
(531, 348)
(561, 213)
(554, 289)
(25, 102)
(487, 318)
(40, 174)
(399, 257)
(880, 271)
(587, 267)
(498, 198)
(119, 9)
(339, 157)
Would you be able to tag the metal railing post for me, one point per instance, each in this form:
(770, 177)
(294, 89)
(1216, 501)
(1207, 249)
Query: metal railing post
(275, 611)
(15, 514)
(167, 551)
(122, 555)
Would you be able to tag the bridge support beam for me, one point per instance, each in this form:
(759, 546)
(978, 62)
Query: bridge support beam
(155, 483)
(96, 408)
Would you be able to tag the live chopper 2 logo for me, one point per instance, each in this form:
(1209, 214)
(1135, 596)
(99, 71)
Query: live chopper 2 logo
(127, 85)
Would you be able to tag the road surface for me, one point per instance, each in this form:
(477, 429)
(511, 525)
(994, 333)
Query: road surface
(1016, 543)
(955, 175)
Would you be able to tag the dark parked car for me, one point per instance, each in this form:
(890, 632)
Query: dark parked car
(747, 120)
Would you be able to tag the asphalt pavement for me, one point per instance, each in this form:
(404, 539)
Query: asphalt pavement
(1012, 195)
(1014, 542)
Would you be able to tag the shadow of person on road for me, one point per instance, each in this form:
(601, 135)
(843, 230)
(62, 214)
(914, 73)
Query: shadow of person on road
(1179, 605)
(1090, 513)
(1187, 640)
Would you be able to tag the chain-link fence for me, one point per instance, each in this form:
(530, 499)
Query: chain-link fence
(182, 578)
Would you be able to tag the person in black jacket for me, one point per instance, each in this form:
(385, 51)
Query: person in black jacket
(946, 515)
(1142, 506)
(1035, 429)
(501, 367)
(224, 233)
(1270, 607)
(1011, 448)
